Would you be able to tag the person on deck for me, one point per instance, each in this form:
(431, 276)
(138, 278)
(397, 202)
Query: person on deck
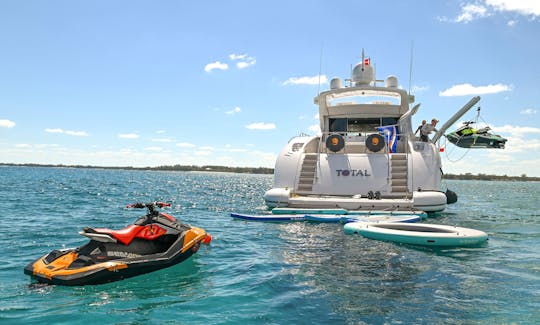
(420, 127)
(427, 129)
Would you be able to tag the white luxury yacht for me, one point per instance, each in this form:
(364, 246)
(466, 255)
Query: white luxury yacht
(366, 156)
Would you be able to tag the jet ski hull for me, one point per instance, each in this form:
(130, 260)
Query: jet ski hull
(477, 141)
(98, 263)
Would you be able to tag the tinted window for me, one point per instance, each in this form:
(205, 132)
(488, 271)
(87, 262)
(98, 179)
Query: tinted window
(338, 125)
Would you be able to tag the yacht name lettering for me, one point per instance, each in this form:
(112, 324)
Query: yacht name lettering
(352, 172)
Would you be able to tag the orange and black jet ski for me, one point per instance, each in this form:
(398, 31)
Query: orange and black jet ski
(154, 241)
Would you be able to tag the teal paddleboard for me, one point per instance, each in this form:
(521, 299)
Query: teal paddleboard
(418, 234)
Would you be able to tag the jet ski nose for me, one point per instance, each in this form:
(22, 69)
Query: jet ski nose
(207, 239)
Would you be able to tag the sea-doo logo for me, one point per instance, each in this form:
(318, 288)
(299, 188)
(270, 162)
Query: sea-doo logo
(352, 172)
(122, 254)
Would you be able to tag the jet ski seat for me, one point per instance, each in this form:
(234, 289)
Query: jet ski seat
(125, 236)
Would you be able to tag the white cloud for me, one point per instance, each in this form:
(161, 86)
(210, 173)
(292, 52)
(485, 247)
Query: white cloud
(244, 64)
(468, 89)
(68, 132)
(486, 8)
(128, 136)
(234, 57)
(470, 12)
(216, 65)
(261, 126)
(203, 153)
(234, 111)
(306, 80)
(528, 111)
(206, 148)
(522, 7)
(244, 60)
(515, 130)
(6, 124)
(185, 145)
(54, 130)
(160, 131)
(77, 133)
(23, 145)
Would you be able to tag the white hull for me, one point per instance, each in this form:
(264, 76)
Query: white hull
(432, 201)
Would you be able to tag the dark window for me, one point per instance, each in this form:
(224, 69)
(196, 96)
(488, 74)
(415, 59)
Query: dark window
(360, 125)
(338, 125)
(389, 121)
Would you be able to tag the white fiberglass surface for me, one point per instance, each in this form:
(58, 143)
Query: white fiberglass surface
(355, 97)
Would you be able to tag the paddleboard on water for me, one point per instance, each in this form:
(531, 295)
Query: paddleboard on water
(361, 218)
(269, 217)
(307, 211)
(421, 214)
(418, 234)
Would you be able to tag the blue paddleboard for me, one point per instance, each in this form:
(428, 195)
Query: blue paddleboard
(308, 211)
(363, 218)
(269, 217)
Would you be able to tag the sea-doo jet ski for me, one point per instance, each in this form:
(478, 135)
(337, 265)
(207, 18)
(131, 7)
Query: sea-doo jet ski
(468, 137)
(154, 241)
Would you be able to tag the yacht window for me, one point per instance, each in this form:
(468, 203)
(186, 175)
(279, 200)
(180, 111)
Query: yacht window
(362, 125)
(338, 125)
(389, 121)
(359, 125)
(297, 146)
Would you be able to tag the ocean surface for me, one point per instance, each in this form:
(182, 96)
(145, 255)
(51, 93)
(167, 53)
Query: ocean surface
(266, 273)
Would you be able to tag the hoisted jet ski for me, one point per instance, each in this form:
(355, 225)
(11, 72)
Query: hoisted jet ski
(468, 137)
(154, 241)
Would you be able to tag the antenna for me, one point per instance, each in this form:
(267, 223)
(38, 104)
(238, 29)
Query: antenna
(320, 70)
(410, 67)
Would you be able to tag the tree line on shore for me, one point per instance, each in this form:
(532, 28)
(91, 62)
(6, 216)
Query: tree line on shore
(264, 170)
(183, 168)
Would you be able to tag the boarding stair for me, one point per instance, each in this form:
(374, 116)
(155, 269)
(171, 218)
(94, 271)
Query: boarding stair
(399, 175)
(307, 173)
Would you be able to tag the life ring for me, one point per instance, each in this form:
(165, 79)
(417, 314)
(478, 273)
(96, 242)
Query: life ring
(335, 142)
(375, 142)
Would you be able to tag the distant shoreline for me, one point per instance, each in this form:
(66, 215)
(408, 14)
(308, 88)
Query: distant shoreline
(183, 168)
(263, 170)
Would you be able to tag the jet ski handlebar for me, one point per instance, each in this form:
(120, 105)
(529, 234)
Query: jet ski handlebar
(151, 205)
(140, 205)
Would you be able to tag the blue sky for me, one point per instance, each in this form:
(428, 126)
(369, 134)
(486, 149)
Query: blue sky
(149, 83)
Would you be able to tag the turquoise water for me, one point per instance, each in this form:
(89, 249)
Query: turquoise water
(266, 273)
